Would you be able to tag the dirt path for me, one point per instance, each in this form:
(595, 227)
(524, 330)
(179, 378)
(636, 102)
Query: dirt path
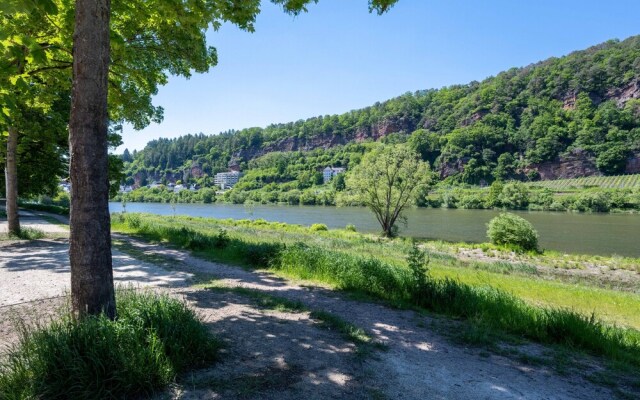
(287, 355)
(417, 364)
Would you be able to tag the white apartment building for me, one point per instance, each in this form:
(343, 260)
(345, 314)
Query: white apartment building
(227, 179)
(330, 172)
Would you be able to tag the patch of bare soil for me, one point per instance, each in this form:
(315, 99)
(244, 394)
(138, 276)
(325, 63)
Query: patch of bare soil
(621, 279)
(272, 355)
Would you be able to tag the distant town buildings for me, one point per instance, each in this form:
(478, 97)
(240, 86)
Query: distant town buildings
(329, 172)
(227, 179)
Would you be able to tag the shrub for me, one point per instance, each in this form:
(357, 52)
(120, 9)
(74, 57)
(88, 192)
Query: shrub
(154, 339)
(318, 227)
(418, 263)
(514, 195)
(350, 228)
(512, 230)
(471, 201)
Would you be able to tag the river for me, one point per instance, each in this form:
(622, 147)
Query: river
(602, 234)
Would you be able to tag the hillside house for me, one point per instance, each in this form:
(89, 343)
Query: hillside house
(329, 172)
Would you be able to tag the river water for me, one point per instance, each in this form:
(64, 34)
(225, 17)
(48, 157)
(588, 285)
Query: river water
(603, 234)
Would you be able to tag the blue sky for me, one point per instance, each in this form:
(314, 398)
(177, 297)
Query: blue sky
(338, 57)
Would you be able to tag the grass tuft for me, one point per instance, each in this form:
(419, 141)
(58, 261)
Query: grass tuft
(154, 339)
(27, 233)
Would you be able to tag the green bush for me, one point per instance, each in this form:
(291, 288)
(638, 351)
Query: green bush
(154, 339)
(511, 230)
(514, 195)
(350, 228)
(318, 227)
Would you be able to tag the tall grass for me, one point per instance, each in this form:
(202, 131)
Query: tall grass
(395, 282)
(27, 233)
(491, 307)
(154, 339)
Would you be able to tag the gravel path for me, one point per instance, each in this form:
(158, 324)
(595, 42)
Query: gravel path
(32, 270)
(29, 219)
(281, 355)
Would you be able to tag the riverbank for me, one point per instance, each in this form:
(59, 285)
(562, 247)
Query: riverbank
(269, 245)
(290, 340)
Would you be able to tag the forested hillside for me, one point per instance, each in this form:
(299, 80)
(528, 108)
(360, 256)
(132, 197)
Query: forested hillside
(565, 117)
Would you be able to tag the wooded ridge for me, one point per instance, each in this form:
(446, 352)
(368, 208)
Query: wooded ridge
(577, 115)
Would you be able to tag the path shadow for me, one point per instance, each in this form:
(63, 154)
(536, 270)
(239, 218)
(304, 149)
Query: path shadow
(273, 355)
(419, 361)
(35, 254)
(40, 268)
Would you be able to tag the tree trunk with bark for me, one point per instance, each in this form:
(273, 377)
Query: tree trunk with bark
(92, 290)
(11, 182)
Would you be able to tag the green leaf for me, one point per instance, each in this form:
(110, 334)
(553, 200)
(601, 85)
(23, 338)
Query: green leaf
(48, 6)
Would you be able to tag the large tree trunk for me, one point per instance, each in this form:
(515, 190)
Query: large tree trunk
(92, 289)
(11, 182)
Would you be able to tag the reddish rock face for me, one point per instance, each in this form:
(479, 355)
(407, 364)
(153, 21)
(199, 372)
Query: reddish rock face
(196, 171)
(382, 129)
(574, 165)
(475, 117)
(453, 168)
(137, 179)
(626, 93)
(569, 102)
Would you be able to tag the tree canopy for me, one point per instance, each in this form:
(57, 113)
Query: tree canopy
(387, 181)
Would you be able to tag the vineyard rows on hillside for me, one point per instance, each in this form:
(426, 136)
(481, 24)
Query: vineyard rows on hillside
(607, 182)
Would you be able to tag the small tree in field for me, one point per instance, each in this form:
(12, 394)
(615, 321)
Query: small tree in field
(387, 181)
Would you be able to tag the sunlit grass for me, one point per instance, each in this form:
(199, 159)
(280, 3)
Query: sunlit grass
(615, 307)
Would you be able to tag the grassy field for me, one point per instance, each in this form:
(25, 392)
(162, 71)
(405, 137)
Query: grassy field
(607, 182)
(592, 319)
